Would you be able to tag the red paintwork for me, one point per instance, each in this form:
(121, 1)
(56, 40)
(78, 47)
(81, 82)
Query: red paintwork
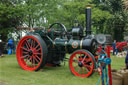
(96, 58)
(120, 46)
(49, 30)
(109, 66)
(27, 62)
(84, 71)
(107, 49)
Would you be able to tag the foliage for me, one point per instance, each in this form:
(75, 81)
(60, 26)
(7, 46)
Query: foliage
(11, 16)
(75, 10)
(118, 19)
(107, 15)
(117, 23)
(40, 12)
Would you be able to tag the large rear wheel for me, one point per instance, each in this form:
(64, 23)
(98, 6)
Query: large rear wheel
(82, 63)
(31, 53)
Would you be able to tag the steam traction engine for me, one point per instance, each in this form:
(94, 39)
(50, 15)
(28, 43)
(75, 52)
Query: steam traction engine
(42, 47)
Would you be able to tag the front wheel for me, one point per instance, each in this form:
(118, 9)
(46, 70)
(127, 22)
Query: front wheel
(82, 63)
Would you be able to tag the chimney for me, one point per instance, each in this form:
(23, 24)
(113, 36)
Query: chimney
(88, 21)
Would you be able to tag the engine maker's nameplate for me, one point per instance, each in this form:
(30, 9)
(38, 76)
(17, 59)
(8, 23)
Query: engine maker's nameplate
(74, 44)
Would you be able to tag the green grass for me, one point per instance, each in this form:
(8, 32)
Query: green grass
(12, 74)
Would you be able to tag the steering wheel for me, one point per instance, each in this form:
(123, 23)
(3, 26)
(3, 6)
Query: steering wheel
(59, 30)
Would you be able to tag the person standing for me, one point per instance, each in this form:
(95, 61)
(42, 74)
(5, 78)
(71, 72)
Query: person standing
(11, 46)
(115, 50)
(126, 60)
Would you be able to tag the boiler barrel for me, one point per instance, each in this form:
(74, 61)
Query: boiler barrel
(88, 44)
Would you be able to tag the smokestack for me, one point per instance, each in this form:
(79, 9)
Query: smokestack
(88, 21)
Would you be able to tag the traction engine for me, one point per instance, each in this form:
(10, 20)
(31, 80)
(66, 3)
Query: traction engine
(42, 47)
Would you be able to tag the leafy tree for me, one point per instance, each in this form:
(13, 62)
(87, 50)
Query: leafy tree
(41, 12)
(118, 20)
(117, 23)
(108, 16)
(11, 16)
(75, 10)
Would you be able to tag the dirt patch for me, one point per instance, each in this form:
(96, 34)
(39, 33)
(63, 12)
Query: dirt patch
(2, 83)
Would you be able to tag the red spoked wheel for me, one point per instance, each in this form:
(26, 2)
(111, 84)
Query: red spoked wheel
(82, 63)
(31, 52)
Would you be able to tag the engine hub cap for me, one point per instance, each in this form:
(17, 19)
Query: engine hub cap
(80, 64)
(30, 52)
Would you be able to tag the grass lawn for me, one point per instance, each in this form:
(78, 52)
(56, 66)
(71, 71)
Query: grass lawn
(12, 74)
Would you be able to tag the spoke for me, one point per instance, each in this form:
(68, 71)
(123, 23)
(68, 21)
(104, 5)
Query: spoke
(34, 44)
(27, 46)
(87, 60)
(82, 70)
(84, 58)
(38, 49)
(24, 56)
(38, 57)
(25, 52)
(75, 66)
(28, 43)
(37, 53)
(36, 60)
(31, 44)
(27, 58)
(77, 58)
(78, 70)
(81, 55)
(33, 61)
(74, 61)
(24, 48)
(86, 69)
(88, 66)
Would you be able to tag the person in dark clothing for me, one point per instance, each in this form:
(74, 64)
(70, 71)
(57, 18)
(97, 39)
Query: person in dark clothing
(126, 60)
(114, 48)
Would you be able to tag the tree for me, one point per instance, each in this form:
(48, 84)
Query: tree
(75, 10)
(117, 22)
(11, 16)
(41, 12)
